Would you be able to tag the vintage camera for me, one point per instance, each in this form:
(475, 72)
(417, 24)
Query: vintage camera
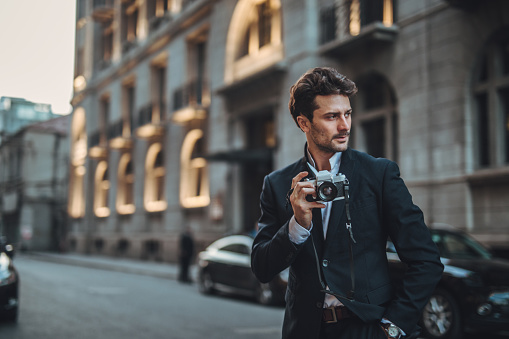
(329, 187)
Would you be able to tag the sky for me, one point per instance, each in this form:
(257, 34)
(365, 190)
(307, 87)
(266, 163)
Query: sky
(37, 51)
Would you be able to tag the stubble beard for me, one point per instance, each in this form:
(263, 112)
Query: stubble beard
(330, 146)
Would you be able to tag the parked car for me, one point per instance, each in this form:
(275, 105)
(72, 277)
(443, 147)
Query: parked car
(9, 283)
(225, 266)
(473, 294)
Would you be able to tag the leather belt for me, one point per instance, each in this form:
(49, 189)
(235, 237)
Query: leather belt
(335, 314)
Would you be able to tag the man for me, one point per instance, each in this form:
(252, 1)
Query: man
(186, 251)
(339, 284)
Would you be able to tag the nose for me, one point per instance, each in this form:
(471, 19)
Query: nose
(343, 123)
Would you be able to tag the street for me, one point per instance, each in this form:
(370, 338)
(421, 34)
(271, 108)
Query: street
(73, 301)
(64, 301)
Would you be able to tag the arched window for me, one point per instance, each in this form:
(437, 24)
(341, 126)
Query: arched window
(101, 190)
(125, 188)
(194, 181)
(375, 119)
(254, 38)
(491, 103)
(154, 179)
(76, 204)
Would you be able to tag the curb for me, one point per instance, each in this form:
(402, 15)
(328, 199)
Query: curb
(107, 264)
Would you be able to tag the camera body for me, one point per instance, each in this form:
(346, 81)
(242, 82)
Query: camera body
(329, 187)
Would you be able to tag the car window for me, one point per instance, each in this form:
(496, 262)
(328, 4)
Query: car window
(236, 248)
(457, 246)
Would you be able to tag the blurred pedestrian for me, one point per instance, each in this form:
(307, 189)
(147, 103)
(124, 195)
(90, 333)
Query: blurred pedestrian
(186, 252)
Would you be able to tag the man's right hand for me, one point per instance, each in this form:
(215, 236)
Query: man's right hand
(303, 209)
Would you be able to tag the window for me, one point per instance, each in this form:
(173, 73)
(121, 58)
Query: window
(374, 114)
(236, 248)
(107, 42)
(365, 12)
(254, 38)
(101, 190)
(128, 107)
(129, 22)
(198, 94)
(125, 189)
(194, 184)
(104, 119)
(154, 179)
(159, 91)
(491, 103)
(76, 205)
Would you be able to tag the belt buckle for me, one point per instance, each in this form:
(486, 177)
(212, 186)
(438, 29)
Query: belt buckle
(334, 315)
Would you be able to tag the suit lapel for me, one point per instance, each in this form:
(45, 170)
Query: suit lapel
(338, 206)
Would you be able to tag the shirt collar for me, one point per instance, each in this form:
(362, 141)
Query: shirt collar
(334, 161)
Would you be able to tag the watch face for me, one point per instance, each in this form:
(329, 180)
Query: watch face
(393, 332)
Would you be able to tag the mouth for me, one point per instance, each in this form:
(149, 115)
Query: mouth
(341, 136)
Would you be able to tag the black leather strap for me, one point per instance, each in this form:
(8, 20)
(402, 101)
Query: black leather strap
(351, 241)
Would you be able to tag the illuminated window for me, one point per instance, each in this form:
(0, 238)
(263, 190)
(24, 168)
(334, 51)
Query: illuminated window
(254, 38)
(194, 182)
(101, 190)
(491, 103)
(76, 204)
(154, 179)
(125, 189)
(365, 12)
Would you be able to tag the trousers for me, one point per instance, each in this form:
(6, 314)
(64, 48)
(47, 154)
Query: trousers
(352, 328)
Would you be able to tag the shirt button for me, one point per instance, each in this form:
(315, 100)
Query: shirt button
(319, 304)
(325, 263)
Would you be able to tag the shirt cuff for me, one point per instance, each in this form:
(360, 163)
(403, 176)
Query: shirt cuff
(297, 233)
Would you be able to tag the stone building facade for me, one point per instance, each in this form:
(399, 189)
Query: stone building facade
(34, 185)
(180, 109)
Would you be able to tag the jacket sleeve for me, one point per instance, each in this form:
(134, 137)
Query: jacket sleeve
(412, 239)
(272, 249)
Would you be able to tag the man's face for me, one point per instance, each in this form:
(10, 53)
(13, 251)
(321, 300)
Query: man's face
(329, 132)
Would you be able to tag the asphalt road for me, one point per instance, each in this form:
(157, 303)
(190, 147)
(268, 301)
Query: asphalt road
(64, 301)
(74, 297)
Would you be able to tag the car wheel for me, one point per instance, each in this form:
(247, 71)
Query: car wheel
(206, 285)
(265, 295)
(441, 317)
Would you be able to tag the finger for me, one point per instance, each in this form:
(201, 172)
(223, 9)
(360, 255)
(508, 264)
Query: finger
(316, 205)
(298, 178)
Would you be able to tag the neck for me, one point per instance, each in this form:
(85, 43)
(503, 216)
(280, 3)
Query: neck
(321, 159)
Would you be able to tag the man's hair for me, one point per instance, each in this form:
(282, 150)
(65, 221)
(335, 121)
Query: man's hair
(317, 81)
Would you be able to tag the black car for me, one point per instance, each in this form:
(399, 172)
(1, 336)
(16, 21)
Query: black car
(225, 266)
(473, 294)
(9, 283)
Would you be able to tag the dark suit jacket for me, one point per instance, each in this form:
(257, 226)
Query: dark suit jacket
(381, 206)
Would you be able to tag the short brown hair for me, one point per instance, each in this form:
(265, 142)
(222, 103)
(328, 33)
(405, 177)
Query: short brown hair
(317, 81)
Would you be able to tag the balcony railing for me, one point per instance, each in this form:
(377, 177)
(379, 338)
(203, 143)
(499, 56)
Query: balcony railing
(194, 93)
(115, 130)
(149, 121)
(356, 21)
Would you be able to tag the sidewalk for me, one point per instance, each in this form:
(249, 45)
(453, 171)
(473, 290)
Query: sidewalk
(150, 268)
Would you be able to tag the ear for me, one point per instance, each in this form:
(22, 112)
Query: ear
(304, 123)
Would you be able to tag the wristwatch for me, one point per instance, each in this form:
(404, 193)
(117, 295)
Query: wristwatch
(392, 331)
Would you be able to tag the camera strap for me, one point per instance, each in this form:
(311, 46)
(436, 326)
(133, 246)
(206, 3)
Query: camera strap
(351, 241)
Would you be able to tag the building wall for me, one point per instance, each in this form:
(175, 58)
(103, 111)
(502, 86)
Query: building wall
(37, 220)
(428, 59)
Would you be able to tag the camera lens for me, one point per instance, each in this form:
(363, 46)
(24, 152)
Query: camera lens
(327, 191)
